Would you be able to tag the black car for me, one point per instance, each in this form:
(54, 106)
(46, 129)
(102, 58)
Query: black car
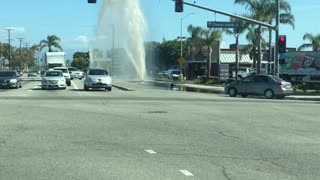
(9, 79)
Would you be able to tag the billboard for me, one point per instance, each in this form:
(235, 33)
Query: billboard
(301, 63)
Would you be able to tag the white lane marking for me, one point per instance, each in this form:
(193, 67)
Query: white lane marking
(186, 172)
(150, 151)
(74, 85)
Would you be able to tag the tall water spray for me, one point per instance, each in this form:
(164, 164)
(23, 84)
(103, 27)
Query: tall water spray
(122, 25)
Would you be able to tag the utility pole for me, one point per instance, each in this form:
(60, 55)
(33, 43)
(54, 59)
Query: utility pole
(26, 46)
(9, 42)
(20, 51)
(113, 50)
(276, 61)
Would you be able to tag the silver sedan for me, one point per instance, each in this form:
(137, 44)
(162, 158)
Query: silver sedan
(97, 78)
(261, 85)
(53, 79)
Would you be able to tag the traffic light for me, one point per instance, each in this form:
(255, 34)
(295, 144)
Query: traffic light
(179, 6)
(282, 44)
(92, 1)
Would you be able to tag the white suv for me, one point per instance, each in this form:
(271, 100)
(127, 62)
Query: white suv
(66, 74)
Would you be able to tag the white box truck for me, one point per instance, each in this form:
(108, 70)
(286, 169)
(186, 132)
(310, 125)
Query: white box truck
(55, 59)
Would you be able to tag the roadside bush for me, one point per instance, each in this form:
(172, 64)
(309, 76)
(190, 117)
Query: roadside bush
(201, 80)
(213, 80)
(205, 80)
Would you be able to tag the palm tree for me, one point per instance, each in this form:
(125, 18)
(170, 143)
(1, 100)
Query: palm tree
(51, 41)
(257, 9)
(286, 17)
(252, 36)
(265, 11)
(236, 32)
(209, 38)
(195, 33)
(314, 42)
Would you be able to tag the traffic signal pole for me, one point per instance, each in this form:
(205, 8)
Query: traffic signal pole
(231, 15)
(276, 60)
(275, 28)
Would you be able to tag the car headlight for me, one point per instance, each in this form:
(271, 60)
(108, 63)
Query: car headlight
(13, 80)
(63, 80)
(108, 81)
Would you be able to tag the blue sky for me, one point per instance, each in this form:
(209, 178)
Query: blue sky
(74, 21)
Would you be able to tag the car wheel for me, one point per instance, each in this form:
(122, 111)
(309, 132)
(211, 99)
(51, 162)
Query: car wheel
(232, 92)
(109, 88)
(244, 95)
(85, 88)
(20, 86)
(269, 94)
(280, 96)
(69, 83)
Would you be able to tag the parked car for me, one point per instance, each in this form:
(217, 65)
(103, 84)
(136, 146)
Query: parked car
(173, 74)
(97, 78)
(32, 74)
(10, 79)
(66, 74)
(261, 85)
(75, 73)
(53, 79)
(163, 74)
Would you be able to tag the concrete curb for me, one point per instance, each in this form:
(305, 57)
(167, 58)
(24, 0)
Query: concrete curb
(303, 98)
(122, 88)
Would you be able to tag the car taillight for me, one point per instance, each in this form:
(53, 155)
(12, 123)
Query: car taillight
(281, 85)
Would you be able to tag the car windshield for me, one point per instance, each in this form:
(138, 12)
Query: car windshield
(276, 78)
(62, 69)
(53, 73)
(98, 72)
(175, 72)
(32, 72)
(7, 74)
(72, 69)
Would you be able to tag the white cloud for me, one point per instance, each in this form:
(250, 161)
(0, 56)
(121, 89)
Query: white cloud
(83, 39)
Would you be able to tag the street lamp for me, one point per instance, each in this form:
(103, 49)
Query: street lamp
(181, 32)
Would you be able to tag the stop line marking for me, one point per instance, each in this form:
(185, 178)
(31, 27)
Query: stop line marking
(186, 172)
(150, 151)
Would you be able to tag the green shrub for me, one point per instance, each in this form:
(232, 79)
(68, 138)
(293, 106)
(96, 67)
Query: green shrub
(212, 80)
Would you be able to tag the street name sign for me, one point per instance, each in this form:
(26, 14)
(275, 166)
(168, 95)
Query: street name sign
(222, 24)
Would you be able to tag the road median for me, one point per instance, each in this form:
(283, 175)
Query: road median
(123, 88)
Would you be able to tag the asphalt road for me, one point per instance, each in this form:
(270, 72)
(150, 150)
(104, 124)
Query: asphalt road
(152, 133)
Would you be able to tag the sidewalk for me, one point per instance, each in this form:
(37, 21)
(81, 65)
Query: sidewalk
(207, 88)
(220, 90)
